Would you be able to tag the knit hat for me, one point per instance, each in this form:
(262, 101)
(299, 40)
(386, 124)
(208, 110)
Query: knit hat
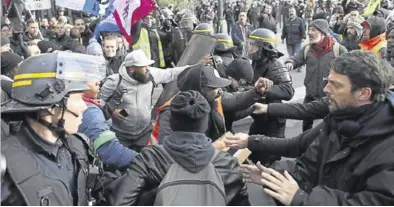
(9, 61)
(94, 48)
(240, 69)
(354, 22)
(189, 112)
(322, 25)
(47, 46)
(4, 41)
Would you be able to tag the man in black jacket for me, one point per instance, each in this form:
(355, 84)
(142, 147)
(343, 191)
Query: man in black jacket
(350, 162)
(208, 82)
(188, 146)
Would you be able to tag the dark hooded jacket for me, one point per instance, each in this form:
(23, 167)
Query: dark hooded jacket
(378, 27)
(231, 102)
(351, 161)
(193, 151)
(74, 45)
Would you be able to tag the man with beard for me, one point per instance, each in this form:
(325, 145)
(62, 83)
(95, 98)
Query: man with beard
(131, 116)
(32, 32)
(317, 56)
(207, 81)
(267, 20)
(374, 36)
(351, 161)
(352, 34)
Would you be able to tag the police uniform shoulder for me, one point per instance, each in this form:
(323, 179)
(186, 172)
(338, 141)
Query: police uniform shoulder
(275, 64)
(83, 138)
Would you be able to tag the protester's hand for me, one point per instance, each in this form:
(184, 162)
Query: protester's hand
(278, 186)
(260, 108)
(289, 66)
(118, 115)
(252, 173)
(238, 141)
(206, 60)
(262, 85)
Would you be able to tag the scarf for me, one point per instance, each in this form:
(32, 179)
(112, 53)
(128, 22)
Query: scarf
(322, 47)
(371, 43)
(89, 100)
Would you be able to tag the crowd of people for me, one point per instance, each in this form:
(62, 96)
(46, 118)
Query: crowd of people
(80, 125)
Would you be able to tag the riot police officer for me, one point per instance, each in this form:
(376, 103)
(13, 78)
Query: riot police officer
(204, 28)
(224, 53)
(261, 48)
(47, 164)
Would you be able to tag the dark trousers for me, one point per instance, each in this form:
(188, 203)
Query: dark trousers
(307, 124)
(292, 49)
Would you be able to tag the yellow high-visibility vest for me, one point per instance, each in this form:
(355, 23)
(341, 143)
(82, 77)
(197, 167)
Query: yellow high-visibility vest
(144, 45)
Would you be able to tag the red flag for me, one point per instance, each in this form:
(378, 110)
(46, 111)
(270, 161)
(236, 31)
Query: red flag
(129, 12)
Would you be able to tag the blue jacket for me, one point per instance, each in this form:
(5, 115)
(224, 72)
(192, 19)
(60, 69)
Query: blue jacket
(107, 145)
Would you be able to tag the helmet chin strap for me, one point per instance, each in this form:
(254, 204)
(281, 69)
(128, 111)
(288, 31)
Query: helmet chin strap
(59, 127)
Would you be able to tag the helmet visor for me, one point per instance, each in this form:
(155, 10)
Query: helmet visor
(186, 23)
(251, 48)
(80, 67)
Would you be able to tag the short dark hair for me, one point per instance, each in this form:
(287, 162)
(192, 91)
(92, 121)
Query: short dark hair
(365, 69)
(79, 19)
(30, 21)
(74, 33)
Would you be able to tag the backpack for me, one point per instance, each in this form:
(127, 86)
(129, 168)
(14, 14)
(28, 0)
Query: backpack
(117, 96)
(180, 187)
(335, 49)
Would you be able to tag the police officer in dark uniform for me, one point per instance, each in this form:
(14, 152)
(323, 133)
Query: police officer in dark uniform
(224, 53)
(261, 48)
(47, 164)
(204, 28)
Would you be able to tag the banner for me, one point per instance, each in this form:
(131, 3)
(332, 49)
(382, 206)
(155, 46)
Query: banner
(88, 6)
(38, 4)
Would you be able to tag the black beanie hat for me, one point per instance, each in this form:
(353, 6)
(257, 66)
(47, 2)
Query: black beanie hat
(47, 46)
(240, 69)
(9, 61)
(189, 112)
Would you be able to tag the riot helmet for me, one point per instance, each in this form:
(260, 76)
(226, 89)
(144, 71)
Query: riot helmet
(224, 42)
(46, 80)
(204, 28)
(167, 13)
(261, 43)
(187, 21)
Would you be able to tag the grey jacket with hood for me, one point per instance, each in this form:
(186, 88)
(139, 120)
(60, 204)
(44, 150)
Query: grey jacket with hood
(136, 99)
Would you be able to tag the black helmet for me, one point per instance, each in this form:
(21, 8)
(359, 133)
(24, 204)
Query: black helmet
(261, 42)
(45, 80)
(204, 28)
(224, 42)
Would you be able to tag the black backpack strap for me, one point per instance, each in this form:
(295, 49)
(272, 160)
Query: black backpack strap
(116, 92)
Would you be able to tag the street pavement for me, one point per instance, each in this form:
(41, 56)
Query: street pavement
(293, 127)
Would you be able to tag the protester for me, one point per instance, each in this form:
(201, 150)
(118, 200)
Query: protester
(187, 146)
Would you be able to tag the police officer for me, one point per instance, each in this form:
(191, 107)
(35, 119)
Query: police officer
(204, 28)
(46, 163)
(224, 53)
(261, 48)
